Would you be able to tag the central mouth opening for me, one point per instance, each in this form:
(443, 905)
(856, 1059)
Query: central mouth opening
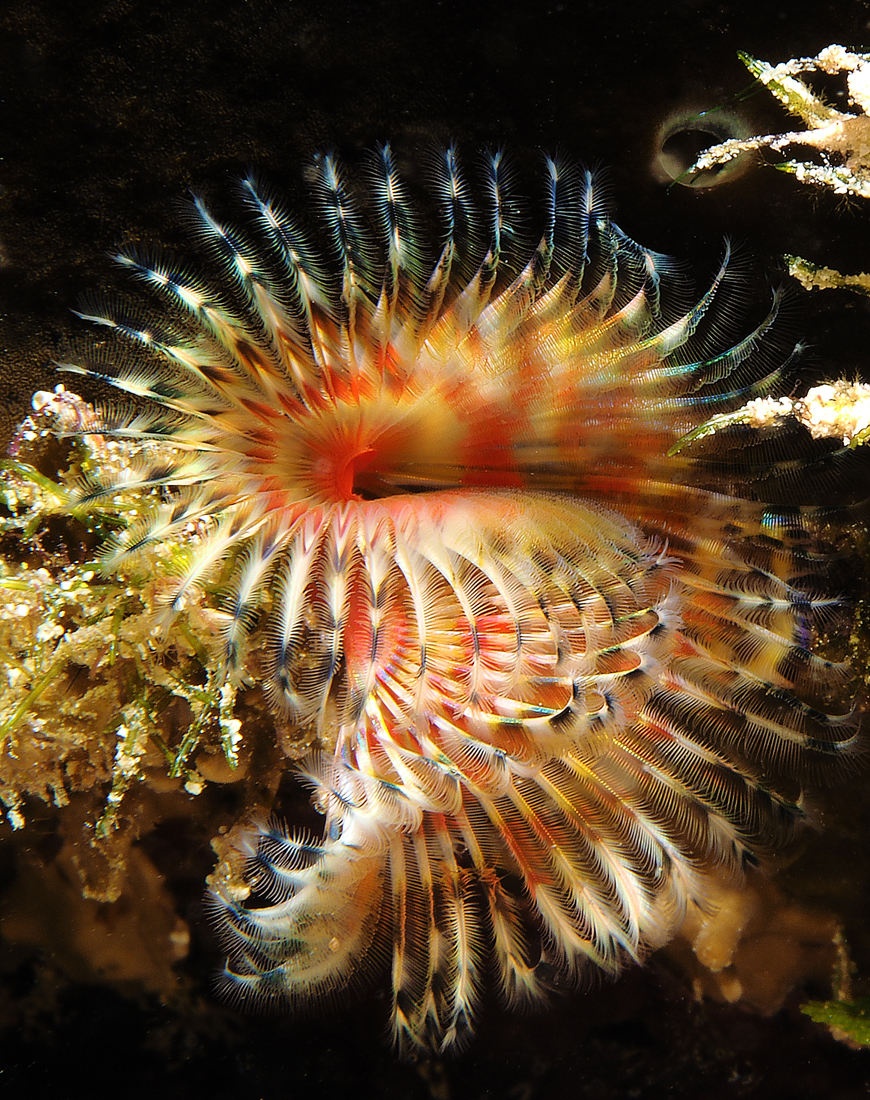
(350, 476)
(348, 467)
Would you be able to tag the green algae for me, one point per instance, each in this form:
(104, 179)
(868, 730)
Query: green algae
(849, 1020)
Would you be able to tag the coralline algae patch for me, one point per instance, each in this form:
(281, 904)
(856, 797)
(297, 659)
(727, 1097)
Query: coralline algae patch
(110, 724)
(100, 705)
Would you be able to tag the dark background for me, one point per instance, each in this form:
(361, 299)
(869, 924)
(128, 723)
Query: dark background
(111, 111)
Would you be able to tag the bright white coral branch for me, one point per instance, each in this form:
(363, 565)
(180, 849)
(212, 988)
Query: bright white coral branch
(813, 277)
(843, 138)
(837, 410)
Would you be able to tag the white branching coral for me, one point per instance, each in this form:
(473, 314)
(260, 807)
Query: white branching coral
(842, 138)
(815, 277)
(835, 410)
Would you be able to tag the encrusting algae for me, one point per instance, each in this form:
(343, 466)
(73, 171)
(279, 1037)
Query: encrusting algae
(410, 513)
(96, 694)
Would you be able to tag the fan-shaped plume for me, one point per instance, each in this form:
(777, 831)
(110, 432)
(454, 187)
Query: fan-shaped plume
(558, 680)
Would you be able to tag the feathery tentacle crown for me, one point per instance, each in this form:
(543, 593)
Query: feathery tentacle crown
(558, 680)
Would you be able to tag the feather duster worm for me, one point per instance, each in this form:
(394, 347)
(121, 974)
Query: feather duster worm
(557, 679)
